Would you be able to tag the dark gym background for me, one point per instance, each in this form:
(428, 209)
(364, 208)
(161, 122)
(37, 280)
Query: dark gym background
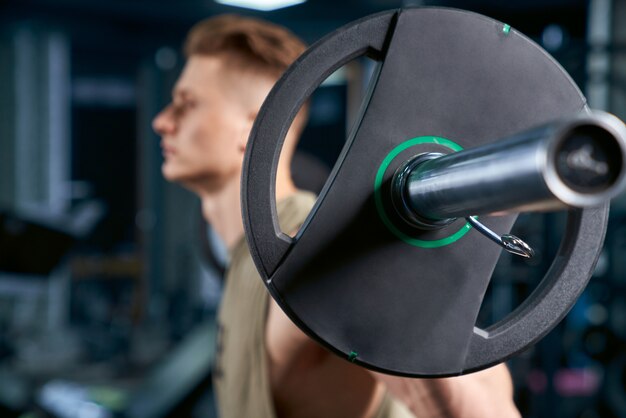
(109, 279)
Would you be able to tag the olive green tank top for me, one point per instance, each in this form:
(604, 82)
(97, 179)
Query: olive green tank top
(240, 376)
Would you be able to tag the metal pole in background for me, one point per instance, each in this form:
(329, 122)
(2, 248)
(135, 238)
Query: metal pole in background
(605, 28)
(41, 75)
(598, 58)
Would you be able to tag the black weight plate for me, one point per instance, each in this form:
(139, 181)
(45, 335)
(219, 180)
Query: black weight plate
(400, 301)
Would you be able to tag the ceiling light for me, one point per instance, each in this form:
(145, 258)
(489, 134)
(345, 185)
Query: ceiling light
(265, 5)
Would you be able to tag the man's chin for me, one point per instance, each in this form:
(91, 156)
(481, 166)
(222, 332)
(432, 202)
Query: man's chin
(173, 175)
(169, 174)
(193, 182)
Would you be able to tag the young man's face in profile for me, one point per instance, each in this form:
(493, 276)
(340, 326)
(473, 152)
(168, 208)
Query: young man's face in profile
(205, 129)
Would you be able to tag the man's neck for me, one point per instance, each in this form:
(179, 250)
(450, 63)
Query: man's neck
(223, 209)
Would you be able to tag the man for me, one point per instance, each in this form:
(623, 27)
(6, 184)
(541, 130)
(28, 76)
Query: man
(266, 366)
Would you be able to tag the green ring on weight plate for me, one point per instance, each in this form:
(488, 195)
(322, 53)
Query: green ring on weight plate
(379, 200)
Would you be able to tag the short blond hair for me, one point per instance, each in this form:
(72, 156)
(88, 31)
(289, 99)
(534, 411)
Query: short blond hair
(254, 44)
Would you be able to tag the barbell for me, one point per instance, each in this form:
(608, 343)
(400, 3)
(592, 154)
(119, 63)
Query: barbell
(467, 123)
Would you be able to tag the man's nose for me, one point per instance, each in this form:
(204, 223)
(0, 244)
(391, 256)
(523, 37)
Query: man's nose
(163, 123)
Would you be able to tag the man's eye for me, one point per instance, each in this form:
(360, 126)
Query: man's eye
(180, 108)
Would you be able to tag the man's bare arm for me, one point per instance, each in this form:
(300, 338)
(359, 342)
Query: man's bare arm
(484, 394)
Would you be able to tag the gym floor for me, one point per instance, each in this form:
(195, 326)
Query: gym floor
(110, 278)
